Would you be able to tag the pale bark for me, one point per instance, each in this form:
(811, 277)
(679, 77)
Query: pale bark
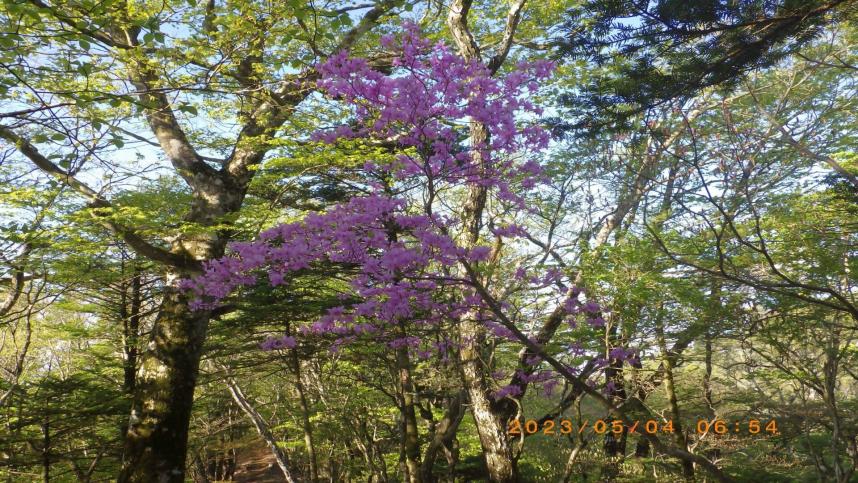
(491, 426)
(261, 426)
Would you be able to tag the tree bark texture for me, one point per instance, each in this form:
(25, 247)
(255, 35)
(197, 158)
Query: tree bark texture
(670, 390)
(157, 436)
(489, 420)
(410, 437)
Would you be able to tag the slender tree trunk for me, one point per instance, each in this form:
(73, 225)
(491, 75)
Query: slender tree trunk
(670, 390)
(580, 444)
(261, 427)
(442, 438)
(410, 437)
(707, 377)
(46, 450)
(614, 444)
(200, 475)
(305, 417)
(131, 333)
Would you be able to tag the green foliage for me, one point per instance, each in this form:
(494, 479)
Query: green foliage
(734, 234)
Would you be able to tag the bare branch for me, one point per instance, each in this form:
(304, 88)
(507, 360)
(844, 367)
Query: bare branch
(620, 412)
(512, 20)
(271, 113)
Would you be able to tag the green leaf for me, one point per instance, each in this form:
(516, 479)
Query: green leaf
(189, 109)
(85, 68)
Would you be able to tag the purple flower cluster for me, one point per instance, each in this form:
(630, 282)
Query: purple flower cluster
(431, 94)
(401, 252)
(273, 343)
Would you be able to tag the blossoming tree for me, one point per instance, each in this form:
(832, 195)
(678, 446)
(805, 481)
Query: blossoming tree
(405, 239)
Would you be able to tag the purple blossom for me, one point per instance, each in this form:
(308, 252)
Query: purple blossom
(507, 391)
(610, 387)
(591, 307)
(622, 354)
(549, 386)
(403, 280)
(274, 343)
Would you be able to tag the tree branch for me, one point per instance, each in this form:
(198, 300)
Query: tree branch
(457, 21)
(367, 22)
(134, 240)
(620, 412)
(512, 20)
(271, 113)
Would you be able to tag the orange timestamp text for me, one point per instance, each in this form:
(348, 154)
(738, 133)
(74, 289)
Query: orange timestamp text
(651, 426)
(750, 426)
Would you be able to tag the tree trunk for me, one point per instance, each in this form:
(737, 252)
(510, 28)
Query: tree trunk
(614, 445)
(305, 418)
(410, 437)
(261, 427)
(670, 389)
(707, 378)
(490, 422)
(442, 438)
(46, 450)
(131, 333)
(490, 428)
(580, 444)
(157, 436)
